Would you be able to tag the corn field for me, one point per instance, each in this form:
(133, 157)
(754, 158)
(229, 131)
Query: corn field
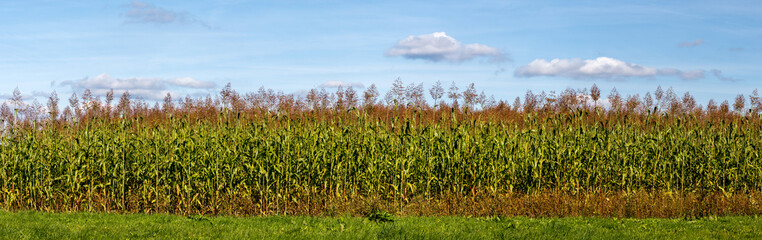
(222, 161)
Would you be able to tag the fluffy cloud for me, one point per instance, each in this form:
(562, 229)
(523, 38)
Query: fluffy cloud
(149, 88)
(190, 82)
(692, 44)
(602, 67)
(104, 81)
(440, 47)
(142, 12)
(336, 84)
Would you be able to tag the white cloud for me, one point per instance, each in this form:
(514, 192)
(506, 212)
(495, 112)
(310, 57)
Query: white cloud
(104, 81)
(149, 88)
(692, 44)
(42, 94)
(336, 84)
(601, 67)
(440, 47)
(142, 12)
(190, 82)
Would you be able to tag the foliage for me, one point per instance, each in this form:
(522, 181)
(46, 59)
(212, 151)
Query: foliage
(261, 153)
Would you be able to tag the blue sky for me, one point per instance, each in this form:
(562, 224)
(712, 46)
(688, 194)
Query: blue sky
(710, 48)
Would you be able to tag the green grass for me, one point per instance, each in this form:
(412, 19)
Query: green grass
(41, 225)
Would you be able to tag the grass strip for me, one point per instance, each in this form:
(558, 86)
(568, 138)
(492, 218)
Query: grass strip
(44, 225)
